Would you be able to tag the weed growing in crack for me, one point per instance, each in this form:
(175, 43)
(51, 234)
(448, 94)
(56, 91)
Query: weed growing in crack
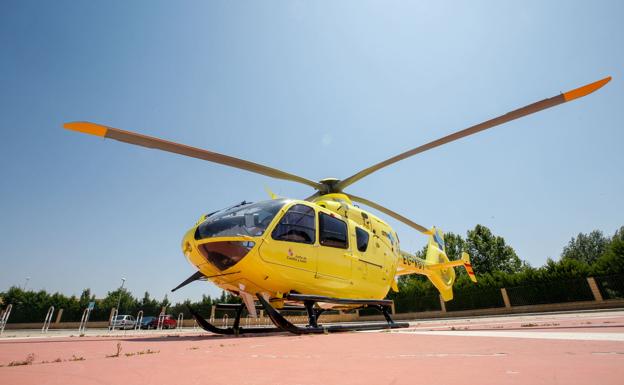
(116, 354)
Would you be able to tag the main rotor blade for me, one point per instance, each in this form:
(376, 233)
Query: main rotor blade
(386, 211)
(515, 114)
(193, 152)
(311, 197)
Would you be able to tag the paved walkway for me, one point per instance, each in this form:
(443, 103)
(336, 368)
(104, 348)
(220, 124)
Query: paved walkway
(571, 348)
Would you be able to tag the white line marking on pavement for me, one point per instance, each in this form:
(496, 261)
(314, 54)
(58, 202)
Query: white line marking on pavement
(536, 335)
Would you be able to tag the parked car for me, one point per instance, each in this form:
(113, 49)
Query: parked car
(146, 322)
(124, 321)
(168, 322)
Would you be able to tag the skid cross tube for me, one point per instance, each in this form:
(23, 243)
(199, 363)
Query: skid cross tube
(312, 315)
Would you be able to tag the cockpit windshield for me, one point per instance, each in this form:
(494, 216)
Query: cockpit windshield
(251, 220)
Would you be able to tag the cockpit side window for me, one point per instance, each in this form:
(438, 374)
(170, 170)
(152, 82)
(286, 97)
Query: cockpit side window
(332, 231)
(297, 225)
(361, 236)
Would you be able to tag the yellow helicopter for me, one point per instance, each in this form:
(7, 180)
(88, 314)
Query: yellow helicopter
(322, 252)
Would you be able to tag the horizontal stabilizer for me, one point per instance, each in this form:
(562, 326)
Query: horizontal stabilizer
(436, 266)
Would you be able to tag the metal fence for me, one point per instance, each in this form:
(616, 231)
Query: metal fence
(477, 298)
(611, 286)
(569, 290)
(418, 303)
(537, 293)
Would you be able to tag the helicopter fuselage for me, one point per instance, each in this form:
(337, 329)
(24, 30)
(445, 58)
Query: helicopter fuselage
(325, 247)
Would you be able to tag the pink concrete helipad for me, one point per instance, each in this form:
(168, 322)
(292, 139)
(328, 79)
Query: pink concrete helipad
(586, 348)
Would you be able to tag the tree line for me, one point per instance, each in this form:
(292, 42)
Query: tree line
(32, 306)
(495, 263)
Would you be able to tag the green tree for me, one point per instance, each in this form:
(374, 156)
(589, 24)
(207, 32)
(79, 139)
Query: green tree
(489, 253)
(150, 306)
(85, 298)
(454, 244)
(619, 234)
(165, 302)
(612, 261)
(127, 304)
(586, 247)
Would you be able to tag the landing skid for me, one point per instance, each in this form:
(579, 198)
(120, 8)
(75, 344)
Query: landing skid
(234, 330)
(313, 327)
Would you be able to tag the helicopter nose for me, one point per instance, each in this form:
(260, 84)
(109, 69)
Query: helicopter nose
(225, 254)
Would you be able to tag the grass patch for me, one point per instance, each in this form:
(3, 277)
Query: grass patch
(115, 355)
(142, 352)
(27, 361)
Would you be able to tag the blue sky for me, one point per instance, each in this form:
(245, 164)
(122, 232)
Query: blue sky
(319, 89)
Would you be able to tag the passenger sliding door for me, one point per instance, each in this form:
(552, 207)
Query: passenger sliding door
(334, 256)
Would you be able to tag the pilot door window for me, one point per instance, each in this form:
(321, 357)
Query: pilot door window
(362, 239)
(332, 231)
(297, 225)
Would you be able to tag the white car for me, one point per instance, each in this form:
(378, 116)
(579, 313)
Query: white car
(122, 322)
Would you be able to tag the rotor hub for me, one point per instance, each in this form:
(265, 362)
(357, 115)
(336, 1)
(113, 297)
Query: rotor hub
(330, 185)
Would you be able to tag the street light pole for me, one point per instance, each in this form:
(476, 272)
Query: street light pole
(123, 280)
(26, 283)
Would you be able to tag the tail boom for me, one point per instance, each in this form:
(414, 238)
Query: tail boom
(436, 266)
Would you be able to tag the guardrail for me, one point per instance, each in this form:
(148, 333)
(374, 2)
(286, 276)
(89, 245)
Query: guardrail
(5, 317)
(112, 319)
(161, 321)
(48, 320)
(84, 320)
(139, 320)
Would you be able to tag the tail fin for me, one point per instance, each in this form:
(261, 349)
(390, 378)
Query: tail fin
(466, 260)
(440, 275)
(436, 265)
